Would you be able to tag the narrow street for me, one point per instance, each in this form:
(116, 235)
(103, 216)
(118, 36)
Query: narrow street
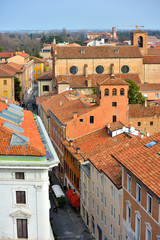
(67, 223)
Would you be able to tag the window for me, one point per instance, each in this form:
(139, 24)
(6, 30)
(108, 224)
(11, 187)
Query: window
(128, 183)
(146, 95)
(114, 193)
(101, 180)
(91, 119)
(118, 237)
(38, 71)
(46, 88)
(97, 210)
(81, 120)
(5, 82)
(77, 182)
(139, 124)
(19, 175)
(114, 92)
(73, 70)
(92, 186)
(5, 94)
(111, 210)
(93, 204)
(34, 72)
(114, 118)
(106, 92)
(151, 123)
(20, 197)
(156, 95)
(138, 226)
(138, 193)
(92, 170)
(140, 41)
(111, 191)
(114, 213)
(149, 203)
(105, 220)
(125, 69)
(122, 92)
(22, 231)
(128, 212)
(119, 200)
(111, 229)
(97, 175)
(105, 185)
(113, 232)
(99, 69)
(148, 232)
(38, 65)
(151, 144)
(105, 203)
(114, 104)
(118, 219)
(101, 197)
(101, 216)
(97, 192)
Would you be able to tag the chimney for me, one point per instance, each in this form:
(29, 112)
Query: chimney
(86, 70)
(112, 71)
(145, 103)
(77, 150)
(89, 82)
(142, 135)
(60, 102)
(75, 115)
(70, 143)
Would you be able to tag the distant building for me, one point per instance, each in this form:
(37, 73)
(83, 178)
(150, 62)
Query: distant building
(24, 165)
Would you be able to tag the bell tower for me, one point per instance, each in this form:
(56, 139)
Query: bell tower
(139, 38)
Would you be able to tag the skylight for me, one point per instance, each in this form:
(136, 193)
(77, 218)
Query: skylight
(12, 114)
(15, 111)
(16, 107)
(18, 140)
(151, 144)
(10, 119)
(13, 127)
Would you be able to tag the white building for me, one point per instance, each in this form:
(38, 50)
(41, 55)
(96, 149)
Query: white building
(24, 165)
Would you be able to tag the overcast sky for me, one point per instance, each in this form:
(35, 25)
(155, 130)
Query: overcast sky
(78, 14)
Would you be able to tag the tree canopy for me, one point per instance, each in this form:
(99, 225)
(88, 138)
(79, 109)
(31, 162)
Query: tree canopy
(17, 88)
(135, 97)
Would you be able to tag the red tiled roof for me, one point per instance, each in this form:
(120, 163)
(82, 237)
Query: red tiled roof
(7, 54)
(80, 81)
(35, 145)
(149, 87)
(143, 162)
(151, 59)
(97, 147)
(114, 81)
(23, 54)
(153, 51)
(45, 76)
(98, 52)
(10, 69)
(38, 60)
(138, 110)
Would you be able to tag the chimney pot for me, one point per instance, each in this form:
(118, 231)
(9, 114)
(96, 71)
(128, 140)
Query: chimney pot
(70, 143)
(77, 150)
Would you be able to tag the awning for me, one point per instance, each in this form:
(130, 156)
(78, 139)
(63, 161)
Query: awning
(73, 198)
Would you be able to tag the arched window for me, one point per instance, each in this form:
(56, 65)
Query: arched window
(122, 91)
(106, 92)
(140, 41)
(114, 92)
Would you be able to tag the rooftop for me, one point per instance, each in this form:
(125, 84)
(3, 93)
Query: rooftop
(98, 52)
(151, 59)
(142, 161)
(138, 110)
(149, 87)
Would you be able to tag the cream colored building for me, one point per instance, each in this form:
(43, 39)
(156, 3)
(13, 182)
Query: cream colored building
(24, 59)
(101, 204)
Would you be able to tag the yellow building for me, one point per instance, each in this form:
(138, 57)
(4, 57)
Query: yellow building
(7, 73)
(39, 66)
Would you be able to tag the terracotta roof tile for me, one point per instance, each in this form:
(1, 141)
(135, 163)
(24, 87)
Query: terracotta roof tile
(154, 51)
(151, 59)
(149, 87)
(45, 76)
(98, 52)
(80, 81)
(143, 162)
(23, 54)
(98, 147)
(37, 60)
(7, 54)
(34, 147)
(138, 110)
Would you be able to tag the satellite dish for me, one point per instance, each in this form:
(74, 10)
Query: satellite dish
(132, 129)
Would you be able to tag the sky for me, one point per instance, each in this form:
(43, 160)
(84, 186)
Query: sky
(78, 14)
